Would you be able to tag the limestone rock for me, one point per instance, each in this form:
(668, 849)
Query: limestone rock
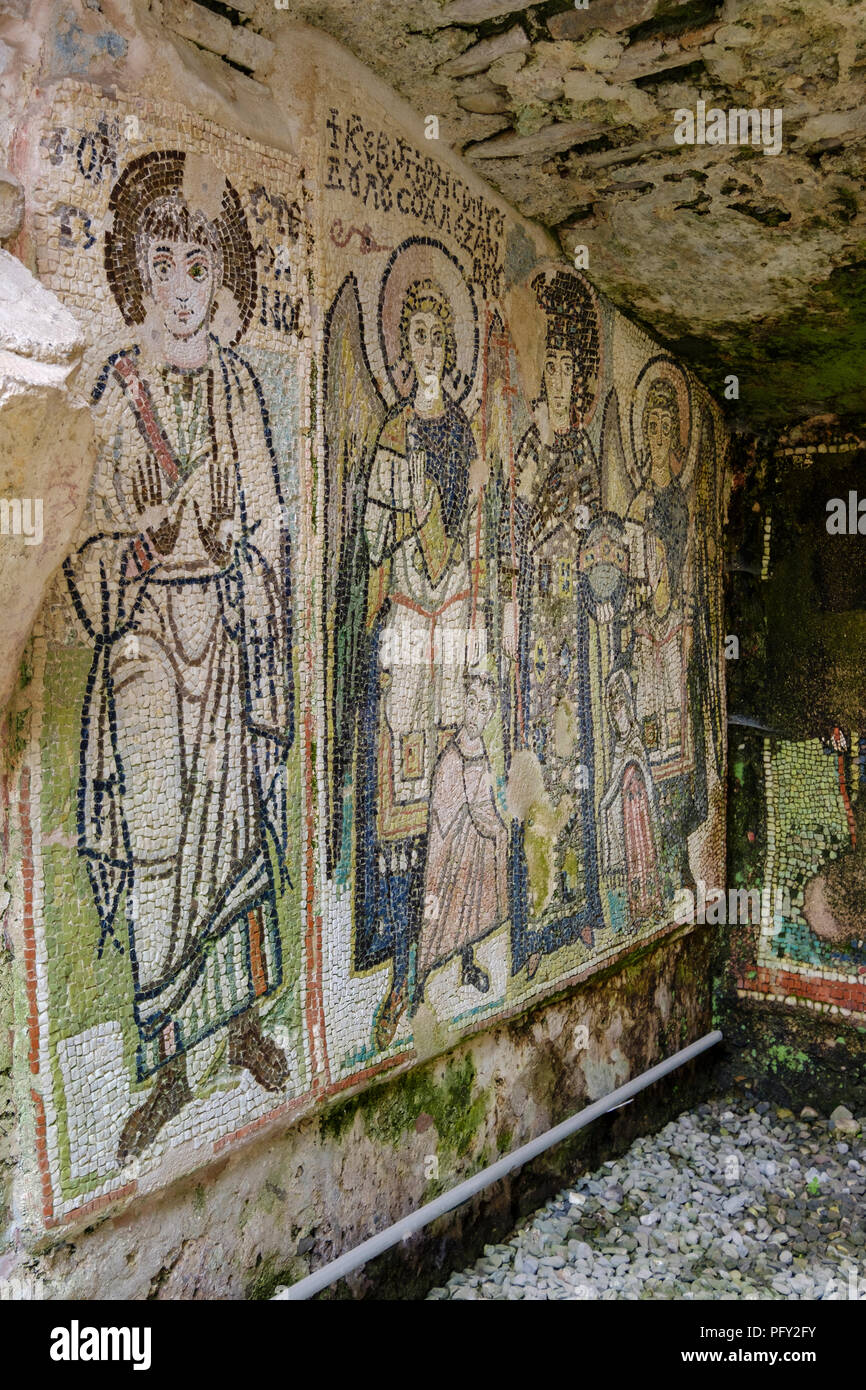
(218, 35)
(561, 135)
(45, 451)
(481, 55)
(11, 204)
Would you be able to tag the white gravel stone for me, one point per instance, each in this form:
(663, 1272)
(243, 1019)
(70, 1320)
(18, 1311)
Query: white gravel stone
(694, 1214)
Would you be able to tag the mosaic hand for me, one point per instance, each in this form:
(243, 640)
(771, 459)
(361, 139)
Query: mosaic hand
(153, 516)
(215, 537)
(418, 479)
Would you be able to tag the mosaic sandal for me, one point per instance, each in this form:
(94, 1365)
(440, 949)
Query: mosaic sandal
(249, 1047)
(168, 1097)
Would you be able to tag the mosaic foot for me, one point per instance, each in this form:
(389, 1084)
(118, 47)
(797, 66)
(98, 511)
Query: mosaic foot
(389, 1016)
(417, 998)
(472, 974)
(168, 1097)
(250, 1048)
(532, 964)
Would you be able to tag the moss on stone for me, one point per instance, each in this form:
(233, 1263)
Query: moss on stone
(790, 367)
(387, 1112)
(780, 1057)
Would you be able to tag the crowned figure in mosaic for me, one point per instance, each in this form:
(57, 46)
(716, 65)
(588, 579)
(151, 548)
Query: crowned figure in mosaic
(183, 588)
(557, 539)
(659, 523)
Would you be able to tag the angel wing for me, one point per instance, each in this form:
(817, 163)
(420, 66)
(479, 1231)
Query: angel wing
(617, 488)
(353, 414)
(505, 418)
(708, 585)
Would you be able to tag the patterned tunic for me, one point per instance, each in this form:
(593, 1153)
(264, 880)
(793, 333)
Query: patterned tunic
(188, 709)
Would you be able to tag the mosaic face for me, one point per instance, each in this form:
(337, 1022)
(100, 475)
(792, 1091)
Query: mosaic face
(427, 346)
(444, 560)
(558, 379)
(181, 280)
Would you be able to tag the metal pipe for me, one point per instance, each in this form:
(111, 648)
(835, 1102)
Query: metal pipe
(408, 1225)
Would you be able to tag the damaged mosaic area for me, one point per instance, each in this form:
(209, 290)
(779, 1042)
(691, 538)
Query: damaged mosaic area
(809, 816)
(382, 692)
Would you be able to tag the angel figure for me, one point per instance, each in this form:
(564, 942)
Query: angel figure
(183, 588)
(409, 612)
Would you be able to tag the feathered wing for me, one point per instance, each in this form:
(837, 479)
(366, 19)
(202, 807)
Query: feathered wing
(353, 414)
(505, 418)
(617, 489)
(707, 587)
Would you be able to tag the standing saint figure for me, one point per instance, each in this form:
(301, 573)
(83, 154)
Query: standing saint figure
(629, 834)
(466, 879)
(558, 497)
(659, 523)
(425, 573)
(183, 588)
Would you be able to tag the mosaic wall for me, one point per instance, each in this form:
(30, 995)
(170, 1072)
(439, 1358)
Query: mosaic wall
(809, 948)
(381, 694)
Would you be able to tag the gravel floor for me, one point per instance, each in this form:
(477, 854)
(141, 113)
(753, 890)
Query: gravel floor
(725, 1202)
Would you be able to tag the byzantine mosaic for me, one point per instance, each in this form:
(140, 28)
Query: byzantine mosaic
(809, 950)
(382, 694)
(160, 806)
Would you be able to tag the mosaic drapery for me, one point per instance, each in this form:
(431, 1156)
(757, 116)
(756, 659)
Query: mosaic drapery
(381, 694)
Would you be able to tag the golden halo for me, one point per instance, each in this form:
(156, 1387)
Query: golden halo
(422, 258)
(665, 368)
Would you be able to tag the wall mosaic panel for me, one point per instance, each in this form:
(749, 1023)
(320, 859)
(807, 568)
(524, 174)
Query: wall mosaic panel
(381, 695)
(809, 950)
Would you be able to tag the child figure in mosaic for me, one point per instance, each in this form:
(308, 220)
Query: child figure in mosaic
(629, 834)
(183, 587)
(466, 877)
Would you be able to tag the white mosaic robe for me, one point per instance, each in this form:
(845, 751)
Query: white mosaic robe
(188, 709)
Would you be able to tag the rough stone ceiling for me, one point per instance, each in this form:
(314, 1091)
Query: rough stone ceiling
(741, 262)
